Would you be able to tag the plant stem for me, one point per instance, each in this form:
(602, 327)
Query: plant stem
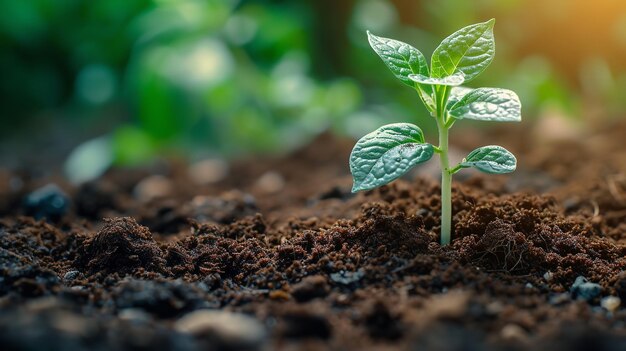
(446, 184)
(446, 175)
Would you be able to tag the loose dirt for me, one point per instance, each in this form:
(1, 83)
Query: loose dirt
(280, 255)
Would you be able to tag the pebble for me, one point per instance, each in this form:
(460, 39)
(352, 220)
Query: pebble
(610, 303)
(583, 289)
(153, 187)
(270, 182)
(228, 328)
(513, 332)
(548, 276)
(135, 315)
(71, 275)
(558, 299)
(49, 202)
(208, 171)
(347, 278)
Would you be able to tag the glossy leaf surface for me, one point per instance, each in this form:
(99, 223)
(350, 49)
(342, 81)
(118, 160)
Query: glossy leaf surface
(403, 60)
(453, 80)
(386, 154)
(491, 159)
(488, 104)
(469, 50)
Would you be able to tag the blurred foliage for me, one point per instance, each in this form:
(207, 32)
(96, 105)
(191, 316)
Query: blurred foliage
(51, 47)
(232, 76)
(229, 77)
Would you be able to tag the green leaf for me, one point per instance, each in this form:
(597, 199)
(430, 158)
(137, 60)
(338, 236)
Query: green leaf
(488, 104)
(454, 80)
(469, 50)
(403, 60)
(490, 159)
(456, 94)
(386, 154)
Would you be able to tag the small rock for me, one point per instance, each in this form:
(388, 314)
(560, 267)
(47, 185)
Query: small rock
(226, 328)
(134, 315)
(71, 275)
(310, 288)
(153, 187)
(270, 183)
(610, 303)
(347, 278)
(583, 289)
(548, 276)
(48, 202)
(513, 332)
(208, 171)
(558, 299)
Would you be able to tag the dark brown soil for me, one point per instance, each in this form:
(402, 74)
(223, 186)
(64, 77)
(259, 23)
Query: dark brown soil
(280, 255)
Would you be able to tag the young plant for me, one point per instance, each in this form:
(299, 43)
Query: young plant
(390, 151)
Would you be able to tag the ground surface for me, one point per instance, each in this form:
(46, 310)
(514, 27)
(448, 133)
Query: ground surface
(278, 254)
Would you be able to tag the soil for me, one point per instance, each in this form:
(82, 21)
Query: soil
(278, 254)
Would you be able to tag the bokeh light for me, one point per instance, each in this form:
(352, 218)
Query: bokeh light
(215, 78)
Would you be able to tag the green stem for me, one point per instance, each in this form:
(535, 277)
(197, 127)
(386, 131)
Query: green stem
(446, 175)
(455, 169)
(446, 187)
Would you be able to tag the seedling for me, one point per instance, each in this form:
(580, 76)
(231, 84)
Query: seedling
(392, 150)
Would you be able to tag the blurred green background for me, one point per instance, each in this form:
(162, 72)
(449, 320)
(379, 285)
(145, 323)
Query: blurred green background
(96, 82)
